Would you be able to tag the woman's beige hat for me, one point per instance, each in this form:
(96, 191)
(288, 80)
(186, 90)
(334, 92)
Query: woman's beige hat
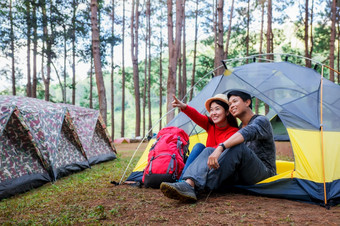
(220, 96)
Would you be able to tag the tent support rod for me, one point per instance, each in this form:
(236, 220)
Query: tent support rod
(322, 143)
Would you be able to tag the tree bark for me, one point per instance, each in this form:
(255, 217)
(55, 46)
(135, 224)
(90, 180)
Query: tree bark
(148, 9)
(12, 47)
(65, 57)
(174, 52)
(35, 51)
(184, 57)
(91, 81)
(248, 23)
(262, 22)
(75, 5)
(219, 53)
(269, 39)
(332, 41)
(122, 131)
(47, 40)
(134, 56)
(97, 60)
(28, 22)
(338, 58)
(257, 101)
(145, 78)
(311, 31)
(308, 62)
(112, 72)
(229, 31)
(160, 79)
(195, 54)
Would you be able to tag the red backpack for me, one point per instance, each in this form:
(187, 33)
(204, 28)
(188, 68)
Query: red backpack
(166, 157)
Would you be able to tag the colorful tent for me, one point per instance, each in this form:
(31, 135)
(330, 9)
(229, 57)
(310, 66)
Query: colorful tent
(93, 134)
(21, 164)
(55, 138)
(307, 105)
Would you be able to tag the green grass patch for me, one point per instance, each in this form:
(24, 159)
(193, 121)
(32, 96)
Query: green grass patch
(70, 200)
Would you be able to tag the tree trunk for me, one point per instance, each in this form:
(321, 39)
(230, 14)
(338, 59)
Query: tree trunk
(311, 31)
(97, 60)
(112, 73)
(174, 52)
(65, 65)
(184, 57)
(229, 31)
(46, 39)
(145, 78)
(160, 79)
(134, 56)
(12, 47)
(195, 54)
(219, 53)
(122, 132)
(308, 62)
(215, 32)
(91, 81)
(35, 51)
(262, 22)
(257, 101)
(148, 9)
(332, 41)
(248, 23)
(28, 22)
(75, 5)
(269, 39)
(338, 58)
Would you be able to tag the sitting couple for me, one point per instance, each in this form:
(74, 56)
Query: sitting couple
(234, 156)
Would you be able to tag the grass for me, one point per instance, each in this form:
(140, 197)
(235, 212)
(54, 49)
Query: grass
(88, 198)
(69, 200)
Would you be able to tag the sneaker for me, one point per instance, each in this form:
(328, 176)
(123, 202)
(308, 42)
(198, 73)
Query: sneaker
(180, 191)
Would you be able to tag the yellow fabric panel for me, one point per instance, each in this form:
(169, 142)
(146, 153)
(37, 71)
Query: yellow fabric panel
(285, 175)
(284, 166)
(332, 155)
(197, 138)
(143, 161)
(284, 169)
(307, 153)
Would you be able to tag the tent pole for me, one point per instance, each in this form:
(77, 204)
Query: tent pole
(321, 130)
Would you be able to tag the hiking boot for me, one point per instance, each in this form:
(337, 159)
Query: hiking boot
(180, 191)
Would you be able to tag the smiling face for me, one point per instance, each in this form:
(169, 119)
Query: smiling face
(218, 114)
(237, 106)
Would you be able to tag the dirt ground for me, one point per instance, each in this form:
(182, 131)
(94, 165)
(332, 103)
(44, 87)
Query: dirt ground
(133, 205)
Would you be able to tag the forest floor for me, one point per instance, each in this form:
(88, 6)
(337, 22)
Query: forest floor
(149, 206)
(88, 197)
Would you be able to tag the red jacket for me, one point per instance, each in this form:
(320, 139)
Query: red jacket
(216, 135)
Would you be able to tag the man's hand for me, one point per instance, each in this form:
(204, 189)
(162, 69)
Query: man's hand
(213, 158)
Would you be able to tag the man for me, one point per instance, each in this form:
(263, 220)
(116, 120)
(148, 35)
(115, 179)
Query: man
(246, 158)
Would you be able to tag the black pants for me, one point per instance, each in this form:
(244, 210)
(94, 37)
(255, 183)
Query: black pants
(239, 165)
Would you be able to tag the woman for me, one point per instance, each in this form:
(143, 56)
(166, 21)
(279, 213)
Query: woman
(219, 126)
